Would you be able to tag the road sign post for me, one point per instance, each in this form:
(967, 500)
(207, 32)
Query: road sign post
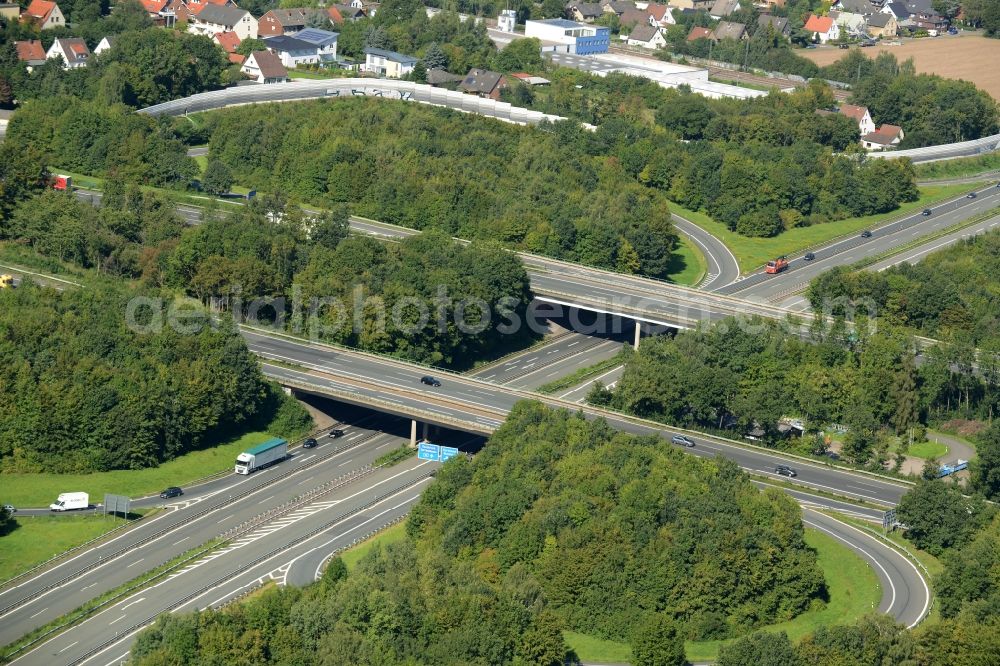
(115, 504)
(889, 520)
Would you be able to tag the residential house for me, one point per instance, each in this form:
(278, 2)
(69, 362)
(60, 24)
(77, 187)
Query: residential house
(324, 41)
(288, 21)
(897, 10)
(633, 17)
(661, 15)
(823, 28)
(44, 14)
(227, 40)
(30, 52)
(72, 50)
(616, 7)
(850, 23)
(291, 51)
(10, 11)
(884, 138)
(723, 8)
(483, 83)
(105, 44)
(778, 23)
(195, 6)
(442, 77)
(264, 67)
(162, 12)
(647, 36)
(730, 30)
(928, 19)
(340, 13)
(699, 33)
(860, 115)
(388, 63)
(585, 11)
(854, 6)
(530, 79)
(695, 5)
(222, 18)
(882, 25)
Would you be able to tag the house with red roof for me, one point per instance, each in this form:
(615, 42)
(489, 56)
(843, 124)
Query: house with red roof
(860, 115)
(44, 14)
(227, 40)
(823, 28)
(661, 15)
(700, 33)
(30, 52)
(884, 138)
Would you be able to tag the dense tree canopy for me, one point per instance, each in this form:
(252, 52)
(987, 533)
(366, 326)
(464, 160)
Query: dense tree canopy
(83, 391)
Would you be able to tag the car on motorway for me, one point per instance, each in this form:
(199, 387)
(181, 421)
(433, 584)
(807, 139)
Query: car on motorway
(970, 195)
(866, 234)
(336, 432)
(10, 508)
(682, 440)
(309, 443)
(430, 381)
(809, 256)
(926, 212)
(172, 491)
(785, 470)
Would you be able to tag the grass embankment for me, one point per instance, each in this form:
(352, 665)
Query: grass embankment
(928, 450)
(752, 253)
(395, 456)
(352, 556)
(959, 168)
(36, 490)
(854, 591)
(687, 265)
(39, 538)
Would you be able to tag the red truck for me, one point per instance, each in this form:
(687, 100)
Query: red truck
(61, 183)
(776, 265)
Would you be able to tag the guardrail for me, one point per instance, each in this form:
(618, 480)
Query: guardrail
(986, 144)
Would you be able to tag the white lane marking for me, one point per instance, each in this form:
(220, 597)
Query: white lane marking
(68, 647)
(853, 546)
(117, 619)
(225, 519)
(303, 460)
(38, 613)
(134, 602)
(135, 563)
(175, 543)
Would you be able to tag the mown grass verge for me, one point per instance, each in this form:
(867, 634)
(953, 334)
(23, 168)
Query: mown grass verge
(393, 534)
(395, 456)
(60, 624)
(37, 490)
(752, 253)
(37, 539)
(959, 168)
(687, 265)
(854, 591)
(582, 374)
(927, 450)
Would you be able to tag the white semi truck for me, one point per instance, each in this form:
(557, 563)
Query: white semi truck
(262, 455)
(70, 502)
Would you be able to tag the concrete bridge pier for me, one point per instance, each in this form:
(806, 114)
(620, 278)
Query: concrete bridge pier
(638, 334)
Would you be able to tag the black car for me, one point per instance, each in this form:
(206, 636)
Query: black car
(926, 211)
(682, 440)
(809, 256)
(970, 195)
(845, 46)
(430, 381)
(172, 491)
(336, 432)
(309, 443)
(866, 234)
(785, 470)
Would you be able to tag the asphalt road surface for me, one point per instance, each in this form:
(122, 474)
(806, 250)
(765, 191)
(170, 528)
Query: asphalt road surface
(759, 286)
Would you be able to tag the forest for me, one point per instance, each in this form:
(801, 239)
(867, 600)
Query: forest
(82, 392)
(740, 375)
(558, 523)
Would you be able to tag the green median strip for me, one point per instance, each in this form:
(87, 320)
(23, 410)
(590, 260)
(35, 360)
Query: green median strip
(395, 456)
(61, 624)
(583, 374)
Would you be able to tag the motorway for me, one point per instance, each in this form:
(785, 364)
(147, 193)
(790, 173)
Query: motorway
(760, 286)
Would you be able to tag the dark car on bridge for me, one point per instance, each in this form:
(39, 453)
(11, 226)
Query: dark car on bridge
(809, 256)
(172, 491)
(336, 432)
(430, 381)
(785, 470)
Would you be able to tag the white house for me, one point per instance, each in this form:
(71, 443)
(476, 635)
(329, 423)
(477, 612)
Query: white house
(324, 41)
(72, 50)
(860, 115)
(647, 36)
(291, 51)
(823, 28)
(885, 137)
(223, 18)
(388, 63)
(44, 14)
(104, 45)
(854, 25)
(264, 67)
